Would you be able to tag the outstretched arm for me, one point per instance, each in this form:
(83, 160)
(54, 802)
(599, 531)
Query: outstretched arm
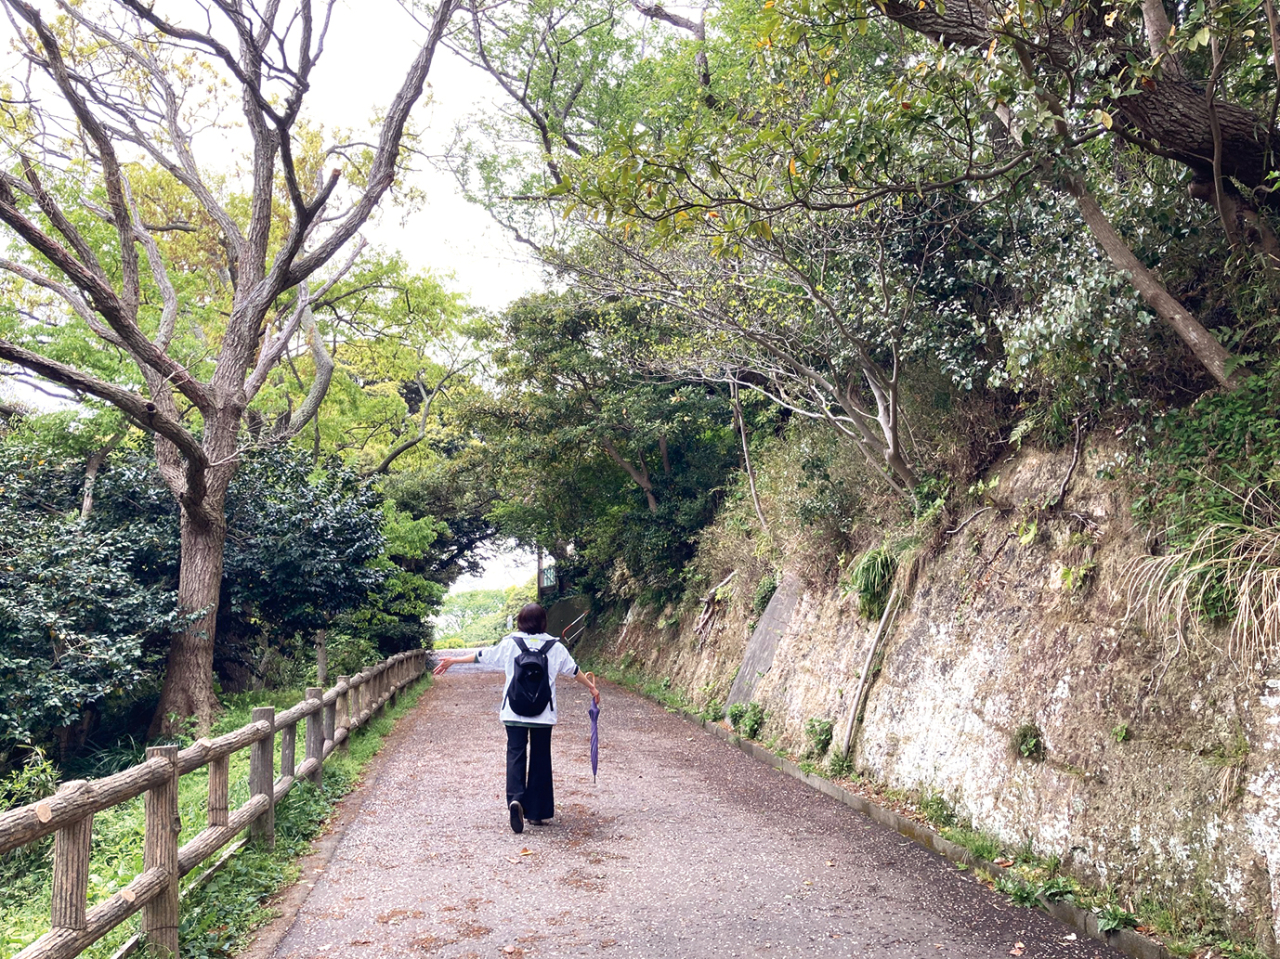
(447, 661)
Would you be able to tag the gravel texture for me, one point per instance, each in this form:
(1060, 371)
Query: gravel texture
(685, 849)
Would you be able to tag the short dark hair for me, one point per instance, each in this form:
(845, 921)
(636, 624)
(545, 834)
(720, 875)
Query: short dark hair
(532, 618)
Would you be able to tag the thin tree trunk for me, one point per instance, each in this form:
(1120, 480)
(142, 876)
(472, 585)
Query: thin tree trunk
(1201, 342)
(188, 678)
(91, 471)
(741, 422)
(322, 658)
(639, 476)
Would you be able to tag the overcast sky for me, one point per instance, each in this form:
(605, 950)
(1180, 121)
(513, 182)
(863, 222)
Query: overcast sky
(370, 46)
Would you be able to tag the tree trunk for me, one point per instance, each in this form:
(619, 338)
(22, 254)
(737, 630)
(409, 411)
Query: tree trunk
(322, 658)
(188, 678)
(639, 476)
(1191, 331)
(740, 421)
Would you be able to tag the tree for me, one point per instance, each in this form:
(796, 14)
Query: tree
(132, 83)
(827, 108)
(605, 466)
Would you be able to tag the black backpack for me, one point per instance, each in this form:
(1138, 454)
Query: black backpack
(529, 692)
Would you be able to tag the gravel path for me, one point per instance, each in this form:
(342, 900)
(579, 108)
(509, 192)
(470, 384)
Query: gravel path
(685, 849)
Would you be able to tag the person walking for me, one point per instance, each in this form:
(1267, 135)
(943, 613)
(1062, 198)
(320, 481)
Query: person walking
(531, 660)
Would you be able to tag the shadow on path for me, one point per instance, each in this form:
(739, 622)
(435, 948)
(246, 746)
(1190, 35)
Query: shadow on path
(685, 849)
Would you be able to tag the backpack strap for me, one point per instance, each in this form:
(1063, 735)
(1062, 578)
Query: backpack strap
(547, 644)
(520, 643)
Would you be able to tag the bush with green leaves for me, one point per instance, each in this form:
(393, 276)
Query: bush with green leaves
(818, 732)
(765, 589)
(937, 809)
(870, 578)
(840, 765)
(81, 618)
(747, 719)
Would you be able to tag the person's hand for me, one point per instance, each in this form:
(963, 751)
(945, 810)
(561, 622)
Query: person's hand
(445, 663)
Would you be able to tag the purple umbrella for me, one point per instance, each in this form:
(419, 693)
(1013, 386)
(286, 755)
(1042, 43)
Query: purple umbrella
(594, 712)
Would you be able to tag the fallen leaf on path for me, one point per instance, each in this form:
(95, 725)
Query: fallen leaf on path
(830, 863)
(1072, 937)
(526, 851)
(514, 859)
(1018, 949)
(1006, 863)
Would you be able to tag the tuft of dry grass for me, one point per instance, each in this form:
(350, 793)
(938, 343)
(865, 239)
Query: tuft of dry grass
(1230, 570)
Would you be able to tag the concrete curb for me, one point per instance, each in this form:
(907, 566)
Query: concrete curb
(1082, 920)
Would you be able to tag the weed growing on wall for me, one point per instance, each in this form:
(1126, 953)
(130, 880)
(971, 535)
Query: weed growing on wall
(870, 578)
(818, 733)
(935, 808)
(840, 766)
(1028, 742)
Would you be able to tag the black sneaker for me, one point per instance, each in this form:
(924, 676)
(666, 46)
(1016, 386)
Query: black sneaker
(517, 816)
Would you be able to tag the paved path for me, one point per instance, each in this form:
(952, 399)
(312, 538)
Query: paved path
(685, 849)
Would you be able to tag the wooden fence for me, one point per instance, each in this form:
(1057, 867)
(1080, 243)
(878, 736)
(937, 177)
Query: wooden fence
(330, 717)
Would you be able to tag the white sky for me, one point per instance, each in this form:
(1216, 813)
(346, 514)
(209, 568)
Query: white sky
(369, 48)
(509, 568)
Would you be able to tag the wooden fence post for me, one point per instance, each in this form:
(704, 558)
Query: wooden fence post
(71, 847)
(219, 786)
(160, 851)
(315, 736)
(330, 713)
(289, 750)
(394, 672)
(262, 776)
(344, 711)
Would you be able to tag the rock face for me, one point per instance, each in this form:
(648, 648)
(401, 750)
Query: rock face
(1160, 773)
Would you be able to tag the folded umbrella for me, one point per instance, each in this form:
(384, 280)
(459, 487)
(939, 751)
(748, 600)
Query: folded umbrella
(594, 712)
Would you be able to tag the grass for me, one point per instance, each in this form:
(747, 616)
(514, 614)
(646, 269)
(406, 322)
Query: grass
(217, 916)
(1229, 572)
(870, 578)
(628, 675)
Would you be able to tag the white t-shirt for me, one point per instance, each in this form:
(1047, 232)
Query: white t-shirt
(503, 656)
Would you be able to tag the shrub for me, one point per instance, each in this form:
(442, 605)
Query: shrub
(935, 808)
(840, 766)
(765, 589)
(870, 579)
(747, 718)
(818, 732)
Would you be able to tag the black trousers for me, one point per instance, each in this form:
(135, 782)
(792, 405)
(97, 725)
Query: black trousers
(529, 771)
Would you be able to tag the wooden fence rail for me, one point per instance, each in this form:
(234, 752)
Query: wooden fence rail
(330, 715)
